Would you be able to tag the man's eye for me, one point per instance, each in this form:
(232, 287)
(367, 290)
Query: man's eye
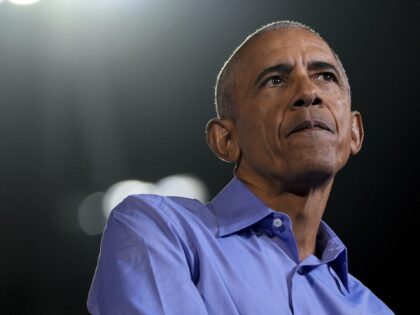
(273, 81)
(326, 76)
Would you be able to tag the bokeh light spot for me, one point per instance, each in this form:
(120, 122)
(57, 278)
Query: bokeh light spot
(23, 2)
(117, 192)
(90, 215)
(184, 186)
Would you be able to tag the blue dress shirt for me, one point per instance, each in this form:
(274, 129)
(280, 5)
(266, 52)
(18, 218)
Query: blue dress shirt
(234, 255)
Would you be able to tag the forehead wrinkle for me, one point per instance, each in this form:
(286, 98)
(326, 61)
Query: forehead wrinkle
(245, 55)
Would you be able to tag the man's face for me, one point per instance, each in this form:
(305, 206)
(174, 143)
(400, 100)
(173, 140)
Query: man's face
(293, 107)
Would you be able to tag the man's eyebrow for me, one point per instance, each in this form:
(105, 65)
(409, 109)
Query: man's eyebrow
(281, 68)
(322, 65)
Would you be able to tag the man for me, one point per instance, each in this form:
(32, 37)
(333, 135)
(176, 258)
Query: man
(260, 247)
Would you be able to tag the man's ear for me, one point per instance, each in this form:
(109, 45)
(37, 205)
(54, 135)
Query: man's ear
(357, 132)
(221, 138)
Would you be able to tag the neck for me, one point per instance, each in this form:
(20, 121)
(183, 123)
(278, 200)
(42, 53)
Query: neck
(305, 206)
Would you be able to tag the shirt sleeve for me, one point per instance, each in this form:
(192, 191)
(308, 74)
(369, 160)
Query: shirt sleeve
(144, 264)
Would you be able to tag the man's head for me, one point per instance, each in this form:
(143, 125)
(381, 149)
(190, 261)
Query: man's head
(225, 83)
(284, 109)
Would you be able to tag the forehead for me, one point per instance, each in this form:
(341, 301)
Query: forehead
(289, 45)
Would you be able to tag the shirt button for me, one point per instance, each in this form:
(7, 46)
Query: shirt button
(301, 271)
(277, 223)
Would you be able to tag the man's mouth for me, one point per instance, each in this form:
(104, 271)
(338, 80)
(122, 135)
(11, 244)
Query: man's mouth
(310, 125)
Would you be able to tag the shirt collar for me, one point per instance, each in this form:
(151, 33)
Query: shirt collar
(333, 251)
(236, 208)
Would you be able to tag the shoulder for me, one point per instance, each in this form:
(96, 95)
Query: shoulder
(157, 205)
(163, 212)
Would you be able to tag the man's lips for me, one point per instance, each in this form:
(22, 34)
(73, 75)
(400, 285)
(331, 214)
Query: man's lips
(310, 124)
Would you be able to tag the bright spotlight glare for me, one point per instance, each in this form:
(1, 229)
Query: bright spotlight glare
(117, 192)
(23, 2)
(176, 185)
(183, 186)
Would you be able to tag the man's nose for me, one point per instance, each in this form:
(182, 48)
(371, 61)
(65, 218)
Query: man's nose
(306, 94)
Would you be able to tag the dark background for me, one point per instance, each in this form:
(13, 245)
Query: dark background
(95, 92)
